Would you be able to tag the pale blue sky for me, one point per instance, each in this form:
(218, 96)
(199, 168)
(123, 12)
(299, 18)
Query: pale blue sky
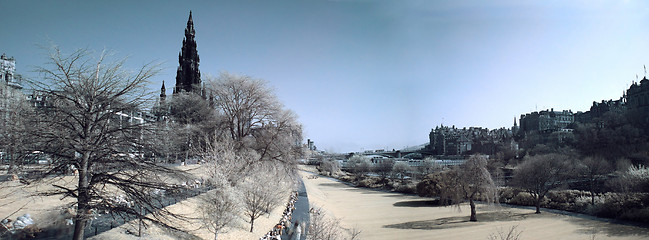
(366, 74)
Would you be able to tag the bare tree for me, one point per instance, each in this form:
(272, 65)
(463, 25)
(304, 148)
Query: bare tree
(15, 139)
(465, 182)
(322, 227)
(541, 173)
(255, 200)
(475, 179)
(193, 124)
(383, 167)
(635, 179)
(400, 169)
(511, 234)
(92, 123)
(164, 141)
(594, 169)
(359, 165)
(428, 165)
(220, 209)
(254, 119)
(329, 167)
(246, 104)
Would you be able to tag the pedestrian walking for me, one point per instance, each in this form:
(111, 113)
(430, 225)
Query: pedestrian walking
(297, 232)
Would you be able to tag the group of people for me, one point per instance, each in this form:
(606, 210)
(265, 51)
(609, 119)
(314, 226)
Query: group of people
(284, 224)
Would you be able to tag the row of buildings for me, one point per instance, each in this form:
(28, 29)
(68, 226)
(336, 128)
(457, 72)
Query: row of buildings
(545, 126)
(447, 141)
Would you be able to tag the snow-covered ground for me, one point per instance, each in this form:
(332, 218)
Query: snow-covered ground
(384, 215)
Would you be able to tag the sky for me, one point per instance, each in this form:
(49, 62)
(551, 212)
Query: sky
(366, 74)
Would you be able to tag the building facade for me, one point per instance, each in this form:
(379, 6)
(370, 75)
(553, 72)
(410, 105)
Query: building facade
(638, 102)
(450, 141)
(546, 121)
(10, 85)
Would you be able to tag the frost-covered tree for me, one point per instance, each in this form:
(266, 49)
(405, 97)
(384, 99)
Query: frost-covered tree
(220, 208)
(594, 170)
(466, 182)
(92, 123)
(254, 119)
(359, 165)
(539, 174)
(400, 169)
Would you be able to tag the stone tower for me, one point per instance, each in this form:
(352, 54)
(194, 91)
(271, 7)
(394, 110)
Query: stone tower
(163, 91)
(188, 77)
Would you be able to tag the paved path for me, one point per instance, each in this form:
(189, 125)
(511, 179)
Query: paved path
(301, 212)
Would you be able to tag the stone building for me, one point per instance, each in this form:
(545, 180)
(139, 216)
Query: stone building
(448, 141)
(638, 102)
(8, 72)
(10, 84)
(546, 121)
(598, 109)
(10, 81)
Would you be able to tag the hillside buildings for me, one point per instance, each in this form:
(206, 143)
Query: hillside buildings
(541, 127)
(546, 121)
(447, 141)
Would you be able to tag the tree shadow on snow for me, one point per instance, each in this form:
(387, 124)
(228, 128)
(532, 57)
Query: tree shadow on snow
(418, 203)
(609, 227)
(461, 221)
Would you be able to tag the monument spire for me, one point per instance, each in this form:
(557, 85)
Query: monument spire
(163, 90)
(188, 76)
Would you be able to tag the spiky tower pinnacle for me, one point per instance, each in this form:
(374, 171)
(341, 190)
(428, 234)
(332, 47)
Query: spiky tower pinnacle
(188, 77)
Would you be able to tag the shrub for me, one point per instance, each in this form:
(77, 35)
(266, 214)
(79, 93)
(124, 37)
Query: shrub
(346, 178)
(606, 209)
(506, 194)
(367, 182)
(565, 196)
(565, 199)
(638, 215)
(523, 199)
(622, 206)
(409, 188)
(582, 204)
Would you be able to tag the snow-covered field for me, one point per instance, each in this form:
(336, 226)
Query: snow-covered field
(378, 215)
(383, 215)
(17, 199)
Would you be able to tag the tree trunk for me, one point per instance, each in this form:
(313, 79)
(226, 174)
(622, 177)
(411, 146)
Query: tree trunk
(252, 223)
(216, 235)
(12, 167)
(79, 229)
(538, 204)
(473, 213)
(83, 199)
(592, 198)
(592, 192)
(12, 163)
